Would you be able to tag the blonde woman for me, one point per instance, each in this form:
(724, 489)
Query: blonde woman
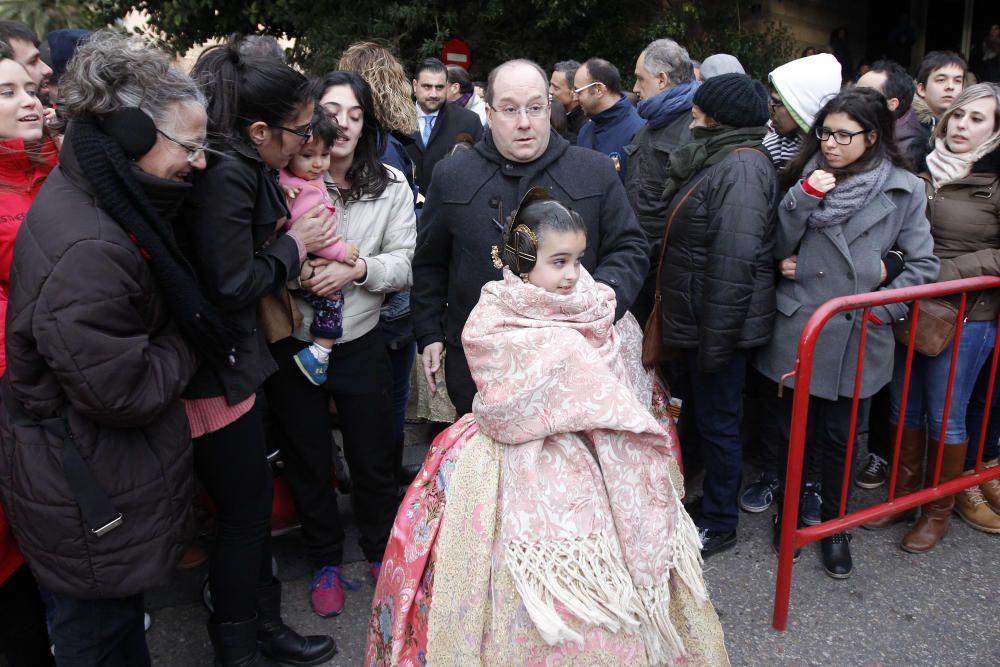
(963, 207)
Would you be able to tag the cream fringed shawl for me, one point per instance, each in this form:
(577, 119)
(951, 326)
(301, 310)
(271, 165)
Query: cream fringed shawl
(585, 519)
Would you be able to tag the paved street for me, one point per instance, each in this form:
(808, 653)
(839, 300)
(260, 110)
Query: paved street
(897, 609)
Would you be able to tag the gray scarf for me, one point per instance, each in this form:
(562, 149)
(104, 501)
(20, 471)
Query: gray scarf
(850, 195)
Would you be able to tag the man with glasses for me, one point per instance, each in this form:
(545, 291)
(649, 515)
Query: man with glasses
(470, 198)
(438, 123)
(613, 119)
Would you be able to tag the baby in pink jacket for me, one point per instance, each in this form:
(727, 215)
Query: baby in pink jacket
(304, 173)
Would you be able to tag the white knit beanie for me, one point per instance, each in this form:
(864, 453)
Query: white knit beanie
(805, 85)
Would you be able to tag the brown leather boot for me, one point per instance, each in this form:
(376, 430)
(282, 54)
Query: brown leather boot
(991, 489)
(975, 511)
(910, 477)
(933, 521)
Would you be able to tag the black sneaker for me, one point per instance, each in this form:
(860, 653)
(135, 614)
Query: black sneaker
(760, 494)
(714, 541)
(776, 539)
(810, 504)
(836, 551)
(874, 473)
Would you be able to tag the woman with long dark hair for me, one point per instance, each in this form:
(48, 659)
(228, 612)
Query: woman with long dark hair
(849, 202)
(375, 211)
(259, 114)
(397, 117)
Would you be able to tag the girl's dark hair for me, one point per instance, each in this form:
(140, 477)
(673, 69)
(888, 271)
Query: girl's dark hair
(868, 109)
(244, 89)
(325, 128)
(367, 174)
(546, 215)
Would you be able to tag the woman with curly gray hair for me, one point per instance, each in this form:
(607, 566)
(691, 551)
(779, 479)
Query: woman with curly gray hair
(104, 320)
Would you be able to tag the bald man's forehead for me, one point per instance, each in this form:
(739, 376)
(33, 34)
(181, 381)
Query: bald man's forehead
(520, 75)
(873, 79)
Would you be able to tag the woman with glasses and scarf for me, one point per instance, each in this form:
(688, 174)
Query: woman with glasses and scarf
(259, 114)
(849, 202)
(104, 322)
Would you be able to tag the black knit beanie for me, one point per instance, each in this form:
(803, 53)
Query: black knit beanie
(733, 99)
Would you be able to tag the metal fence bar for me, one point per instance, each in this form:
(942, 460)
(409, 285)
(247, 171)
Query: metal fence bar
(793, 537)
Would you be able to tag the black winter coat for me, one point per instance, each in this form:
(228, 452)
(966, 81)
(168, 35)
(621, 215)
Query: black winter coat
(718, 272)
(460, 225)
(89, 338)
(648, 159)
(452, 121)
(226, 231)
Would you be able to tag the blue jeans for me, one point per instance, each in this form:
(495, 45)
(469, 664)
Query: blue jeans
(713, 401)
(98, 633)
(974, 419)
(929, 383)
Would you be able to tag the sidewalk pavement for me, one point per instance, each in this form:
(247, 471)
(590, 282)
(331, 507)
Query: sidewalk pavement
(899, 609)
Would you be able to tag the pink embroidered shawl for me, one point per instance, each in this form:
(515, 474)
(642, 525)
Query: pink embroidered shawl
(592, 526)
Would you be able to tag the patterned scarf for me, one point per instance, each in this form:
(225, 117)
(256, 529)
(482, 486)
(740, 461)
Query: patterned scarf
(782, 149)
(592, 527)
(851, 194)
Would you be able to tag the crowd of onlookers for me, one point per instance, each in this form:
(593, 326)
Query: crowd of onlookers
(213, 264)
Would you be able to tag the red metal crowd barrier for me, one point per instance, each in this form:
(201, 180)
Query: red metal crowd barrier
(793, 537)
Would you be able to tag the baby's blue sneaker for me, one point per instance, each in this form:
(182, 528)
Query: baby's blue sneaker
(311, 367)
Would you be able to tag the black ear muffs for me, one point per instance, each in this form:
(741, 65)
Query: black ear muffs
(131, 129)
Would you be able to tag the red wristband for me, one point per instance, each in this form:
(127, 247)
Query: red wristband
(810, 190)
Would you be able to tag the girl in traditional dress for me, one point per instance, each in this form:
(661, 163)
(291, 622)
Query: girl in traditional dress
(547, 526)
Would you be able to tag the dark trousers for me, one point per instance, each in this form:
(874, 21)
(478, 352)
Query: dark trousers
(361, 384)
(881, 431)
(774, 437)
(458, 377)
(402, 367)
(232, 466)
(828, 429)
(23, 636)
(98, 633)
(712, 401)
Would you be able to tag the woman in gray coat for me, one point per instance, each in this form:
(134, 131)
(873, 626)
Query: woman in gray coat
(849, 203)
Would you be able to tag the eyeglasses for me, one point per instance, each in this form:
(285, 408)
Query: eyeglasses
(842, 137)
(193, 150)
(536, 110)
(583, 88)
(303, 134)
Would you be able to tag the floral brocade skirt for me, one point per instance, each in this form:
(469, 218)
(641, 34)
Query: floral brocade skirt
(443, 599)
